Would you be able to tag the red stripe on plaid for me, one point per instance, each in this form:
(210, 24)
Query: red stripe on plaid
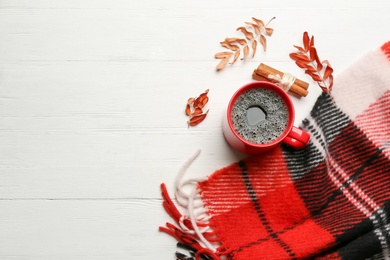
(375, 122)
(269, 218)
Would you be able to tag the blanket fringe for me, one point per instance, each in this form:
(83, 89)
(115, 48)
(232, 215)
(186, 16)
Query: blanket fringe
(192, 230)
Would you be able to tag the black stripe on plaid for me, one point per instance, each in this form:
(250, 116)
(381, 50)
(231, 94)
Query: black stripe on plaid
(326, 121)
(260, 212)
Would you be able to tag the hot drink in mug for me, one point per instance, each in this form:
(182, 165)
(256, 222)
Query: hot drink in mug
(259, 116)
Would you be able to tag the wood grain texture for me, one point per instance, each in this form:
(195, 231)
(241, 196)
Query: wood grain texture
(92, 97)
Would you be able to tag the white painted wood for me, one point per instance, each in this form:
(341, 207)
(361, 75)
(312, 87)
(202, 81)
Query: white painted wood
(92, 94)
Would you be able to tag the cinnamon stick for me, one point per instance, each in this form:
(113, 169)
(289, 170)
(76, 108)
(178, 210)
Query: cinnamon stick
(296, 90)
(263, 71)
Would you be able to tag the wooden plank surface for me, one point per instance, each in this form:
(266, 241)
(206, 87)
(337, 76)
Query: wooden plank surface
(91, 109)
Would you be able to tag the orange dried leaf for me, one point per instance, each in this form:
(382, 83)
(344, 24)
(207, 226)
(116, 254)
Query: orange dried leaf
(197, 119)
(254, 47)
(306, 41)
(314, 76)
(223, 55)
(328, 70)
(190, 101)
(301, 64)
(256, 27)
(197, 111)
(312, 41)
(230, 46)
(241, 41)
(299, 48)
(263, 42)
(236, 55)
(299, 57)
(246, 52)
(188, 110)
(259, 22)
(269, 31)
(248, 35)
(231, 40)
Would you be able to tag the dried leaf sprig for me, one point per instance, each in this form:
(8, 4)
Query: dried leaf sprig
(194, 109)
(254, 33)
(307, 59)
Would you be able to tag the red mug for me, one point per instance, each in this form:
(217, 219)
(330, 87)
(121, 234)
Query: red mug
(290, 135)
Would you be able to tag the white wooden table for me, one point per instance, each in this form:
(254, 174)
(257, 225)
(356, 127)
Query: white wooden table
(92, 96)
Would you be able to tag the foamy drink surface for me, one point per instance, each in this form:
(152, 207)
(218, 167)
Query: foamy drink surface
(259, 115)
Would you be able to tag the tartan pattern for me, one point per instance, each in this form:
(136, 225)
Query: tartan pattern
(330, 200)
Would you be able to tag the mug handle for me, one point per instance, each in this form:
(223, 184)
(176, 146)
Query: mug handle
(297, 138)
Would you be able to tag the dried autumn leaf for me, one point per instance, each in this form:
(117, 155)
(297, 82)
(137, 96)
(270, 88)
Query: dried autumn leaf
(236, 55)
(241, 41)
(188, 110)
(259, 22)
(225, 56)
(254, 47)
(197, 119)
(246, 52)
(263, 42)
(299, 57)
(197, 111)
(299, 48)
(269, 31)
(248, 35)
(190, 101)
(328, 70)
(231, 40)
(222, 55)
(314, 76)
(256, 27)
(306, 41)
(230, 46)
(314, 57)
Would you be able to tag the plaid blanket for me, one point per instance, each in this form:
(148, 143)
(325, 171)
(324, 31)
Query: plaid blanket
(330, 200)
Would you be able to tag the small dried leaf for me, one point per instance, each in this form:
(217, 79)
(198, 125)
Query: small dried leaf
(190, 101)
(230, 46)
(269, 31)
(248, 35)
(197, 111)
(222, 64)
(263, 42)
(306, 41)
(231, 40)
(246, 52)
(328, 71)
(254, 47)
(188, 110)
(314, 76)
(312, 41)
(256, 27)
(310, 68)
(236, 55)
(299, 57)
(241, 41)
(259, 22)
(197, 119)
(201, 101)
(301, 64)
(223, 55)
(314, 57)
(299, 48)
